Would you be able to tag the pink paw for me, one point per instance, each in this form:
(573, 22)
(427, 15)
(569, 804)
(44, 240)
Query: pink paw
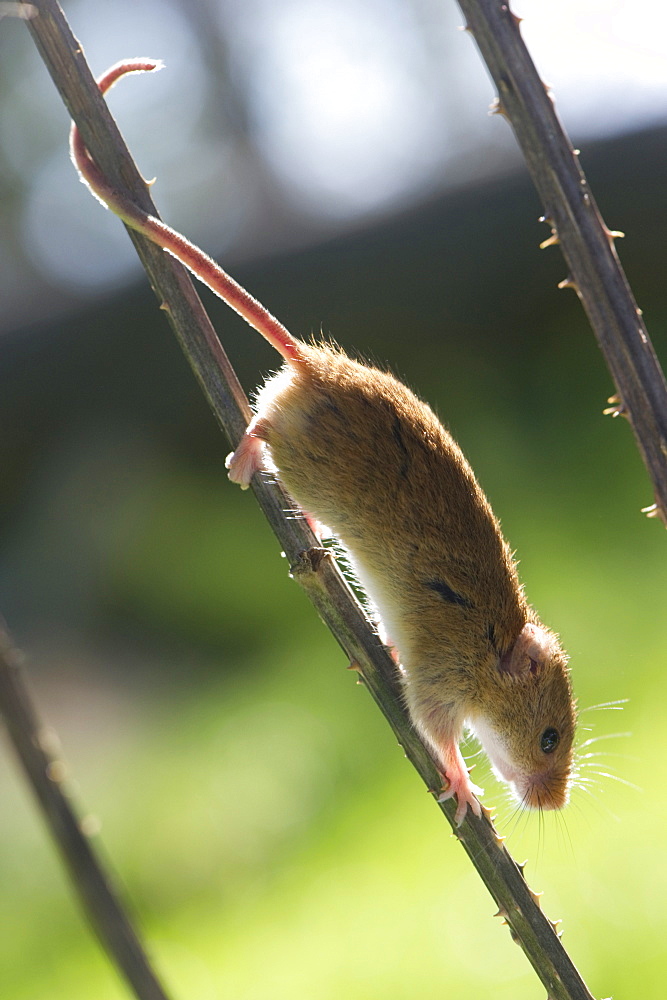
(466, 795)
(248, 457)
(460, 785)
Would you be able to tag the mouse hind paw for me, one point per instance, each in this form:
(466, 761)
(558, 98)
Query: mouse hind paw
(248, 458)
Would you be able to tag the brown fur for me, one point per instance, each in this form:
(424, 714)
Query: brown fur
(360, 452)
(363, 455)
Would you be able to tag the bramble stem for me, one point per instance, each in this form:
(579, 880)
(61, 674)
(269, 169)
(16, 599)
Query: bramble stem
(596, 273)
(99, 897)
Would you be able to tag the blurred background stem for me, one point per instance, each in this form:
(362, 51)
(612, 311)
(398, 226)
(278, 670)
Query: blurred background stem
(587, 244)
(45, 774)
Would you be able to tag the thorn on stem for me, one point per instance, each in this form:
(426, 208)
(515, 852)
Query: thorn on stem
(551, 242)
(655, 510)
(617, 408)
(56, 772)
(90, 825)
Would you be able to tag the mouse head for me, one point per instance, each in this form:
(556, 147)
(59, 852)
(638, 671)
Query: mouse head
(526, 724)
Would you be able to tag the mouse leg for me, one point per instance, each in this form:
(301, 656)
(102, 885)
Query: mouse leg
(440, 726)
(249, 456)
(458, 782)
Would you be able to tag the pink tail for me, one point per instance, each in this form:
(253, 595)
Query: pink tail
(201, 265)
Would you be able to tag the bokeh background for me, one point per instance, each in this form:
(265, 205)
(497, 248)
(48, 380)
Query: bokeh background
(338, 156)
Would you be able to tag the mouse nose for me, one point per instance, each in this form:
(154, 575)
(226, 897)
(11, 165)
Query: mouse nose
(547, 793)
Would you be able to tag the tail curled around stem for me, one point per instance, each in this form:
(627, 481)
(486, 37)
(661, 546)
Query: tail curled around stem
(199, 263)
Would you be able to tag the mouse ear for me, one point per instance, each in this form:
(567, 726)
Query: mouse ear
(529, 653)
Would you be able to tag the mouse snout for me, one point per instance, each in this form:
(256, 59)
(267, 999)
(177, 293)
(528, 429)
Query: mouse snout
(544, 792)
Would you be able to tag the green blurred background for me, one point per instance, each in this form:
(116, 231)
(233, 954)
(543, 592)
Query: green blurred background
(269, 835)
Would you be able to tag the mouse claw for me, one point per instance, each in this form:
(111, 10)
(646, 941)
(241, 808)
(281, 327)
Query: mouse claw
(466, 795)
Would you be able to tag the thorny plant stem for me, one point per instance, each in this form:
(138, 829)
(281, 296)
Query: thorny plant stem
(311, 566)
(34, 745)
(588, 246)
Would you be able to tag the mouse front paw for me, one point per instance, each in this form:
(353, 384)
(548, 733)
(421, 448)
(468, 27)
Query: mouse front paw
(458, 784)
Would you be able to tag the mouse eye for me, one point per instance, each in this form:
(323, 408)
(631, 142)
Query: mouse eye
(549, 740)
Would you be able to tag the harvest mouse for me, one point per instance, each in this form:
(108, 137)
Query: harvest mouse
(362, 454)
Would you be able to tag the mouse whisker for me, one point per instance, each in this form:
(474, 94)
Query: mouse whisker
(615, 777)
(608, 706)
(603, 736)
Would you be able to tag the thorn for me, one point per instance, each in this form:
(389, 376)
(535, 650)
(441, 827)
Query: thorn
(617, 408)
(516, 19)
(496, 108)
(546, 218)
(553, 924)
(521, 867)
(568, 283)
(654, 510)
(537, 898)
(90, 825)
(47, 738)
(551, 242)
(56, 772)
(353, 665)
(501, 913)
(465, 27)
(614, 234)
(150, 183)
